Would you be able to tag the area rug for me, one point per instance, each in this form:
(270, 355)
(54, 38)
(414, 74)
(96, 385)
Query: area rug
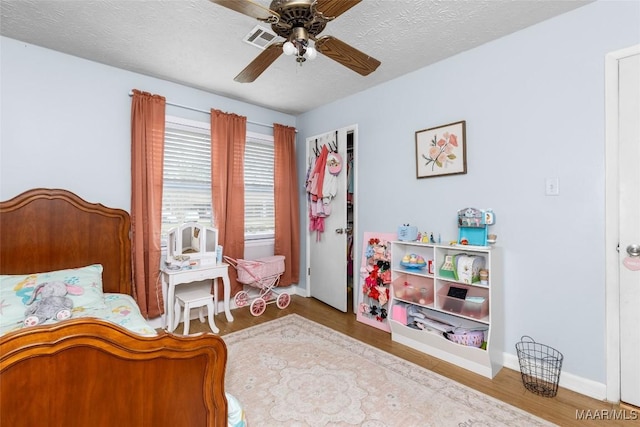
(295, 372)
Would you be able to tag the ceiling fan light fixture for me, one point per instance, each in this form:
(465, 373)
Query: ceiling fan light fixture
(289, 48)
(298, 23)
(311, 53)
(299, 34)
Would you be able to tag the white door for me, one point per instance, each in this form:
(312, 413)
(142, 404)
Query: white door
(629, 137)
(327, 250)
(623, 226)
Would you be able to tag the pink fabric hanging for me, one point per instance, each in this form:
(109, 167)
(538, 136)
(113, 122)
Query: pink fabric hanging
(314, 186)
(314, 189)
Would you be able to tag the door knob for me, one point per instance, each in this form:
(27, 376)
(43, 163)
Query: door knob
(339, 230)
(633, 250)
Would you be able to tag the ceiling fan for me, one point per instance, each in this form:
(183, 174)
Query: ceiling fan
(299, 21)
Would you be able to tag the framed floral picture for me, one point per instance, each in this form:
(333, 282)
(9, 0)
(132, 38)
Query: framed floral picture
(441, 150)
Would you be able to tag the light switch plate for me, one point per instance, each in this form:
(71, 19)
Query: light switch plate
(552, 187)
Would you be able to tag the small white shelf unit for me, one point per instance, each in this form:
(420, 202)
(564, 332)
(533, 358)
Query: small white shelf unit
(428, 292)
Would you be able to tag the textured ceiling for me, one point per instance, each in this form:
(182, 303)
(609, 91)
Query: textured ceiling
(199, 44)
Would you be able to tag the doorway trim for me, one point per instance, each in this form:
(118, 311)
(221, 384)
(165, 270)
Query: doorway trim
(355, 279)
(353, 128)
(612, 224)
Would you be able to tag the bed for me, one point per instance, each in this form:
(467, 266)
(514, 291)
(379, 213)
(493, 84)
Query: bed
(94, 369)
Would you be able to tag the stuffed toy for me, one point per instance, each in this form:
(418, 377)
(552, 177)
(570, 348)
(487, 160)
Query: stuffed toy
(53, 303)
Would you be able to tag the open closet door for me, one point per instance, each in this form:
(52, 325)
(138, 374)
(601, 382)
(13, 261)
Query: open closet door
(327, 225)
(622, 226)
(629, 199)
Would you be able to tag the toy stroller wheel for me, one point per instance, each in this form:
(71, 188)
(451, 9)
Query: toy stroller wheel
(258, 306)
(283, 300)
(241, 299)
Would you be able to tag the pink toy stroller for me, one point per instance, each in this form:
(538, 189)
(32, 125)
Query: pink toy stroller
(262, 274)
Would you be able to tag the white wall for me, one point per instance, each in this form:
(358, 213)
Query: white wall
(65, 122)
(534, 107)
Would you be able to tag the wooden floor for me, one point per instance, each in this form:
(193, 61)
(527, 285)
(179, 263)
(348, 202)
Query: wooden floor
(506, 386)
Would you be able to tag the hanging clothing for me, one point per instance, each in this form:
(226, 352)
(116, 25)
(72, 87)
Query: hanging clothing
(316, 178)
(322, 187)
(314, 188)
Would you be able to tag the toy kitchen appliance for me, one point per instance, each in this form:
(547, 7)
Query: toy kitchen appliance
(472, 226)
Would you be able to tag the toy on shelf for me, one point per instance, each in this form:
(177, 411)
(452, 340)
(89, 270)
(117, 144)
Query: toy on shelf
(407, 233)
(413, 261)
(472, 226)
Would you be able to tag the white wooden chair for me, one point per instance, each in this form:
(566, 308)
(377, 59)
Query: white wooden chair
(194, 295)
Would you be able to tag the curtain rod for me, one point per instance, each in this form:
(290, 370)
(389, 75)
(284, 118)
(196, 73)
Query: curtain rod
(186, 107)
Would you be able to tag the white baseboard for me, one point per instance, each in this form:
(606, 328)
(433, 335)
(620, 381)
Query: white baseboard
(297, 291)
(568, 380)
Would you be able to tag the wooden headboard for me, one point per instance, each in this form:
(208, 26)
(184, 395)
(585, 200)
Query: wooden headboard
(86, 371)
(51, 229)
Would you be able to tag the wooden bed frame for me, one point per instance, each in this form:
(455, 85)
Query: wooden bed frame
(88, 372)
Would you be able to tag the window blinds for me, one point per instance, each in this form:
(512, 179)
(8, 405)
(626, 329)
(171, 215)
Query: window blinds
(187, 175)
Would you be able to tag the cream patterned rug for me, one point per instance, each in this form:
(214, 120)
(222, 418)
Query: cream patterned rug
(295, 372)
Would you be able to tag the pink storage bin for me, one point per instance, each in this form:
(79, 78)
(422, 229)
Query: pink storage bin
(399, 313)
(476, 310)
(453, 305)
(415, 289)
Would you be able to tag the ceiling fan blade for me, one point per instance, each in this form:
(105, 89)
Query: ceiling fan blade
(347, 55)
(250, 8)
(334, 8)
(261, 63)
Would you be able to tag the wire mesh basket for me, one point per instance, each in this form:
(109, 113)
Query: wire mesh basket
(540, 366)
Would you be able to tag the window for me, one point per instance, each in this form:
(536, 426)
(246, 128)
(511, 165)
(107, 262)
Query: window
(187, 177)
(259, 210)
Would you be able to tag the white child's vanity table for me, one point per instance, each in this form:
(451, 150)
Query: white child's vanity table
(193, 256)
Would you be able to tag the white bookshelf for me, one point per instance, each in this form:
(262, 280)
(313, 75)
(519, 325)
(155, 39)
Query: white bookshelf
(419, 290)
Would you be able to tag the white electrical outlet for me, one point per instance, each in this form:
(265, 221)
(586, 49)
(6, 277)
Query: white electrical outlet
(552, 187)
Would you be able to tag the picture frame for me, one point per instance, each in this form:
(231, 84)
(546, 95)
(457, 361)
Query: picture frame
(441, 150)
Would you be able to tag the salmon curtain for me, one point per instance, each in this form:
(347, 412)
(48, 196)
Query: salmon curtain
(147, 157)
(228, 140)
(286, 199)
